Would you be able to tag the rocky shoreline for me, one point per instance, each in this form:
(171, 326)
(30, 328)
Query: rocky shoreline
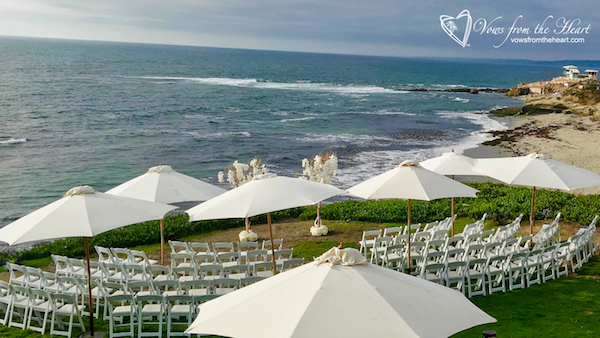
(461, 90)
(568, 138)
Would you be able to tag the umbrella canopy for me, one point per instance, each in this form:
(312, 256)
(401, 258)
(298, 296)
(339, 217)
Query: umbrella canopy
(451, 164)
(536, 170)
(265, 193)
(162, 184)
(82, 212)
(411, 181)
(352, 300)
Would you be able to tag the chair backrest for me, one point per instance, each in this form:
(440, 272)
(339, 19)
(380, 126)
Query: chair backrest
(250, 280)
(284, 254)
(210, 271)
(292, 263)
(179, 247)
(277, 243)
(123, 255)
(371, 234)
(263, 269)
(422, 236)
(168, 285)
(245, 246)
(182, 258)
(224, 257)
(199, 247)
(225, 285)
(61, 265)
(144, 287)
(256, 256)
(104, 254)
(140, 257)
(161, 270)
(222, 247)
(237, 271)
(205, 257)
(197, 287)
(136, 272)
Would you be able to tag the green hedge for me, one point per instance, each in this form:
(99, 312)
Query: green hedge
(502, 203)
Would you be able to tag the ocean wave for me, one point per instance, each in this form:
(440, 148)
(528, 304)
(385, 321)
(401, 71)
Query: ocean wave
(14, 141)
(307, 118)
(366, 164)
(379, 112)
(298, 85)
(460, 99)
(217, 135)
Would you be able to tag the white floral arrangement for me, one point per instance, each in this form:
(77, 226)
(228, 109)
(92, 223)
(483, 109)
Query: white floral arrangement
(248, 236)
(321, 169)
(240, 173)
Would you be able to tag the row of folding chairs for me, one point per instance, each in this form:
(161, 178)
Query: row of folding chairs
(147, 315)
(548, 234)
(583, 245)
(122, 256)
(217, 247)
(36, 309)
(499, 273)
(229, 257)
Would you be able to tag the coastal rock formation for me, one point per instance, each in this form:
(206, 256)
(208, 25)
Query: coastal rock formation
(581, 98)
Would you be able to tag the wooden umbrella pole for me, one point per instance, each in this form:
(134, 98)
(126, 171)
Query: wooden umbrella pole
(452, 216)
(408, 225)
(532, 211)
(162, 241)
(272, 244)
(89, 273)
(319, 214)
(247, 223)
(452, 209)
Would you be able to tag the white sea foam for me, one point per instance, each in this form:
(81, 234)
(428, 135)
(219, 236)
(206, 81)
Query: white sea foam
(307, 118)
(380, 112)
(460, 99)
(299, 85)
(371, 163)
(14, 141)
(216, 135)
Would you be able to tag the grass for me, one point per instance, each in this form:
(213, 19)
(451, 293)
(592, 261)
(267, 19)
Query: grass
(564, 307)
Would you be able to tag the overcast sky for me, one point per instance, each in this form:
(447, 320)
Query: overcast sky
(375, 27)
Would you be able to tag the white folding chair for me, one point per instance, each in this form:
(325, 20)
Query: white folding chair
(475, 277)
(39, 311)
(180, 313)
(122, 311)
(368, 239)
(151, 311)
(65, 306)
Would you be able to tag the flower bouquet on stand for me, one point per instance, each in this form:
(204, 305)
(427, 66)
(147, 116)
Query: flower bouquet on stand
(237, 174)
(320, 169)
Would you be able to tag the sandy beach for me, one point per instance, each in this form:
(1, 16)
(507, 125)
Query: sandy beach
(568, 138)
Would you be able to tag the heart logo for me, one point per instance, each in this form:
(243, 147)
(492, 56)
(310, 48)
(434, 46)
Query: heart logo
(448, 24)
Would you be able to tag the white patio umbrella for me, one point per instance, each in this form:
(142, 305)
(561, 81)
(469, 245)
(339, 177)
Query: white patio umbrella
(264, 194)
(410, 181)
(451, 164)
(349, 299)
(162, 184)
(537, 171)
(82, 212)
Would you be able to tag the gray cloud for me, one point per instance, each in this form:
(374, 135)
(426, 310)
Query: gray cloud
(376, 27)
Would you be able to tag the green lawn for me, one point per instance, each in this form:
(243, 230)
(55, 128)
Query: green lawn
(564, 307)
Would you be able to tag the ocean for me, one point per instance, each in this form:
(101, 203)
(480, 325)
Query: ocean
(101, 113)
